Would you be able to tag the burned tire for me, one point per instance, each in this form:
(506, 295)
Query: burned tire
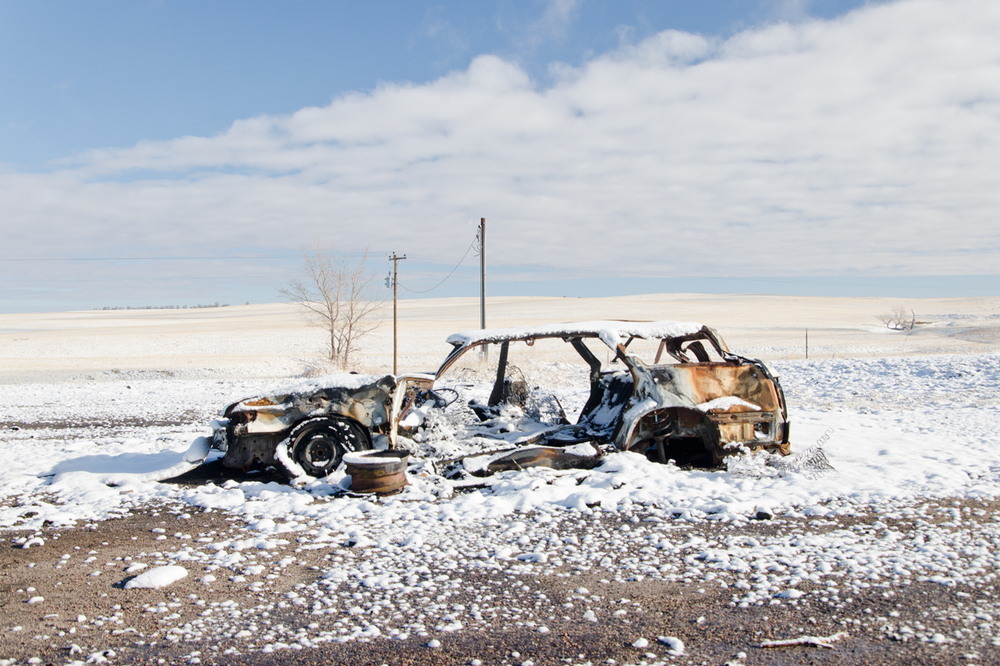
(318, 445)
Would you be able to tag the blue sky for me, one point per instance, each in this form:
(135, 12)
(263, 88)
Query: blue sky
(187, 152)
(82, 75)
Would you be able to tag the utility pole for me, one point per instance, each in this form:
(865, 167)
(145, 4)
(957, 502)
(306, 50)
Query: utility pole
(395, 259)
(482, 279)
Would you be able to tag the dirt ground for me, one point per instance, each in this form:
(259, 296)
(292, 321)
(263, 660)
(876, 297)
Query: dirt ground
(88, 615)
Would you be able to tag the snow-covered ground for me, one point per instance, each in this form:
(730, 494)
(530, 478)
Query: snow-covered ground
(894, 429)
(274, 340)
(911, 440)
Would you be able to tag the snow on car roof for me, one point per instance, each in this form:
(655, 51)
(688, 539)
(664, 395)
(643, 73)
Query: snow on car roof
(611, 333)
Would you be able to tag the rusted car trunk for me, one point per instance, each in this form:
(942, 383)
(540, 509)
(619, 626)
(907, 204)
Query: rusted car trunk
(706, 411)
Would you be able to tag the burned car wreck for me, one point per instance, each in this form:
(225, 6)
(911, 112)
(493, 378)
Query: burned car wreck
(671, 391)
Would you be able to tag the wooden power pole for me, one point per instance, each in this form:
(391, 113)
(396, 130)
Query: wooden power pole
(482, 272)
(485, 349)
(395, 259)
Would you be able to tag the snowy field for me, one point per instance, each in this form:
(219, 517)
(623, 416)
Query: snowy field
(97, 405)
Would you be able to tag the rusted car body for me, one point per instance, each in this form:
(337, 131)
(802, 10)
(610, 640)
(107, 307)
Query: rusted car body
(671, 391)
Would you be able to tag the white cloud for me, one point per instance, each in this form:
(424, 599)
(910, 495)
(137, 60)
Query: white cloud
(791, 10)
(554, 21)
(865, 144)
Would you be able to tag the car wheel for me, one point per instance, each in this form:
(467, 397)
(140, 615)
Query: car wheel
(318, 445)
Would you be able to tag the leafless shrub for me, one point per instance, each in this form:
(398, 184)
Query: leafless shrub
(899, 320)
(338, 294)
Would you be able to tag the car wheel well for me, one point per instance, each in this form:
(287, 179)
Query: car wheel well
(316, 447)
(685, 436)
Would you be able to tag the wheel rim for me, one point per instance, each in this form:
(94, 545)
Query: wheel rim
(320, 453)
(320, 447)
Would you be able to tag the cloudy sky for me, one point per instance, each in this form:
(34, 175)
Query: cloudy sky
(168, 152)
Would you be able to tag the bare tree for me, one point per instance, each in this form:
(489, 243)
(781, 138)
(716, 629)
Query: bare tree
(899, 320)
(338, 294)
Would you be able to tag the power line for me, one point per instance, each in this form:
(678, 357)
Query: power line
(144, 279)
(114, 259)
(238, 257)
(446, 277)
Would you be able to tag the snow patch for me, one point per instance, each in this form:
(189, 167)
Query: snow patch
(157, 577)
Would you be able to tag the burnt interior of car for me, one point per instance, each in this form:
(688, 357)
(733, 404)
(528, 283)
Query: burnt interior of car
(610, 386)
(609, 389)
(683, 434)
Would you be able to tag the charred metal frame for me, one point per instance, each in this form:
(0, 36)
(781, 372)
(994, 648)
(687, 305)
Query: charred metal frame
(693, 410)
(663, 416)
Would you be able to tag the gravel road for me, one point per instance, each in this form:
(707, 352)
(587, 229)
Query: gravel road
(64, 600)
